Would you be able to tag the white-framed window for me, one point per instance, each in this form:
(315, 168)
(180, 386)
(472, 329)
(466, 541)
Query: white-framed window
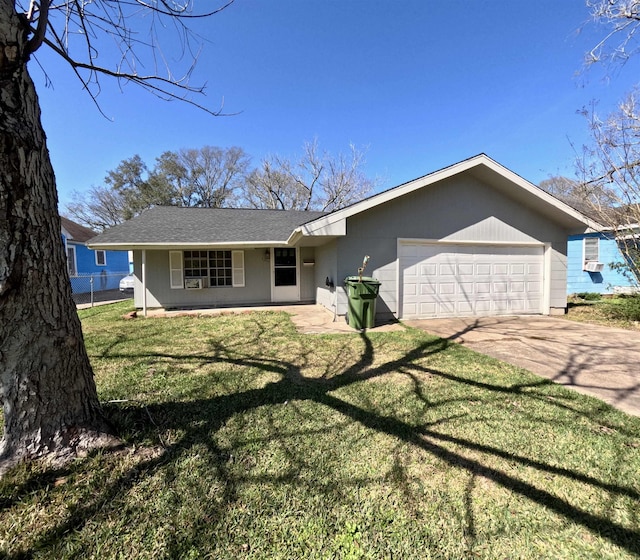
(71, 261)
(214, 265)
(591, 249)
(101, 258)
(218, 268)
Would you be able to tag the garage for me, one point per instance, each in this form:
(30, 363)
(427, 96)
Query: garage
(458, 280)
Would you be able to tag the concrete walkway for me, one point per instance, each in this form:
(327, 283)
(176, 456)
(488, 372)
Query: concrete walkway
(600, 361)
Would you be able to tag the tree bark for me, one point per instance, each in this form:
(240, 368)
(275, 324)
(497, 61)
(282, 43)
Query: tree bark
(49, 398)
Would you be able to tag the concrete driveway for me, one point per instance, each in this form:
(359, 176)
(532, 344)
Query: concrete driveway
(599, 361)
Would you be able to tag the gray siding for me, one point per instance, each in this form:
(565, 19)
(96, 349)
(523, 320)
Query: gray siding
(307, 274)
(458, 209)
(326, 267)
(257, 289)
(558, 272)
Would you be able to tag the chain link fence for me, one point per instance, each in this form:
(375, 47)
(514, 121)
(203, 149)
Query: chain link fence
(94, 288)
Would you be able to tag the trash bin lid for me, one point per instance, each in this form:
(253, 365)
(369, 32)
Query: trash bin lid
(365, 280)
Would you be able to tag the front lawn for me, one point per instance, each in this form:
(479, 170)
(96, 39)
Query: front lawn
(246, 439)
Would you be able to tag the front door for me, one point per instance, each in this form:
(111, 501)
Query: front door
(285, 285)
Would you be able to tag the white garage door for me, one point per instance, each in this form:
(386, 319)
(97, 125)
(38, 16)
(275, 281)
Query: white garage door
(444, 280)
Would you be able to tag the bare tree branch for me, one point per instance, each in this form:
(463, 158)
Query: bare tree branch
(317, 181)
(76, 30)
(609, 171)
(43, 17)
(622, 19)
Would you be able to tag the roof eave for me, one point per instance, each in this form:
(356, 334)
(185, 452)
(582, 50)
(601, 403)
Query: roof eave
(296, 235)
(133, 246)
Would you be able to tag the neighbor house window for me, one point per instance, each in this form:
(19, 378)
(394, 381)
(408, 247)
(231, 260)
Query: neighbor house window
(101, 258)
(71, 261)
(214, 265)
(591, 249)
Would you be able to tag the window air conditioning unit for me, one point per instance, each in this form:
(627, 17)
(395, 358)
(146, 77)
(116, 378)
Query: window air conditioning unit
(593, 266)
(193, 283)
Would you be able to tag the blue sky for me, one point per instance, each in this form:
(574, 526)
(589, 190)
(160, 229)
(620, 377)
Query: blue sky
(422, 84)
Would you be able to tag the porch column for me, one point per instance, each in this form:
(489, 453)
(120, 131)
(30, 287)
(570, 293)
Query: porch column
(144, 282)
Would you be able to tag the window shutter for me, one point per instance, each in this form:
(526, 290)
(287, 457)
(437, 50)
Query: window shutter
(175, 270)
(237, 266)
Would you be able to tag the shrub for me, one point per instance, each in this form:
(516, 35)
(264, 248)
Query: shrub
(589, 296)
(624, 308)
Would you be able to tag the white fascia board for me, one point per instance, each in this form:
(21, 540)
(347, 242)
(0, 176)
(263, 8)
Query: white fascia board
(634, 228)
(186, 246)
(325, 226)
(631, 231)
(420, 241)
(322, 227)
(295, 236)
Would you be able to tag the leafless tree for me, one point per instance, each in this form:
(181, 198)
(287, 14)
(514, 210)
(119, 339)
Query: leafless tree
(135, 30)
(47, 388)
(128, 189)
(344, 181)
(205, 177)
(98, 208)
(620, 19)
(577, 195)
(316, 181)
(609, 169)
(271, 187)
(609, 166)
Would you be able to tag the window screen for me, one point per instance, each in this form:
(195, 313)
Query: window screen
(591, 249)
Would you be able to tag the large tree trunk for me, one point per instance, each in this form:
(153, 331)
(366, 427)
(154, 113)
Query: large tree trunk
(49, 397)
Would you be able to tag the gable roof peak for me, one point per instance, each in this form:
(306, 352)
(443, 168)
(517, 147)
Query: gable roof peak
(480, 166)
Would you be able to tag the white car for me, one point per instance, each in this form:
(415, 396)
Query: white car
(127, 283)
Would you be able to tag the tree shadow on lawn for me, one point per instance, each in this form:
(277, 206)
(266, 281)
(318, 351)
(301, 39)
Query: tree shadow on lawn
(198, 420)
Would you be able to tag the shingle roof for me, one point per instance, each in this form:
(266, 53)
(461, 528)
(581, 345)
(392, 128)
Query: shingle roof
(183, 225)
(76, 231)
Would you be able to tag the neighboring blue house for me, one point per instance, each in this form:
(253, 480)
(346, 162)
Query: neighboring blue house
(102, 269)
(589, 257)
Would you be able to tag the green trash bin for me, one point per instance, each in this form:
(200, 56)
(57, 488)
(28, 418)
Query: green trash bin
(362, 297)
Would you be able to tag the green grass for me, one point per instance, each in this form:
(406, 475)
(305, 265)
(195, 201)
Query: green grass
(620, 311)
(246, 439)
(624, 308)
